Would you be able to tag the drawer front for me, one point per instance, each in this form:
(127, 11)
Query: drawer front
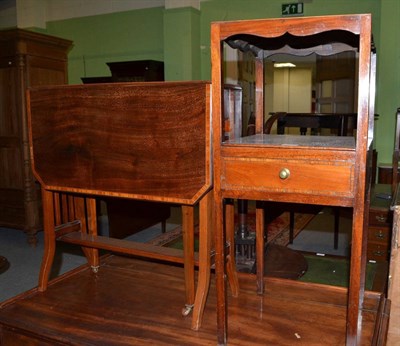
(379, 217)
(377, 252)
(307, 177)
(379, 234)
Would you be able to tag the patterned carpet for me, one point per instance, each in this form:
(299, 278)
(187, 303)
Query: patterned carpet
(277, 233)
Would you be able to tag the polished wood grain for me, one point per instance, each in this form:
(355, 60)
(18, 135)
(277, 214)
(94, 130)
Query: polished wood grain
(138, 141)
(323, 170)
(148, 141)
(134, 302)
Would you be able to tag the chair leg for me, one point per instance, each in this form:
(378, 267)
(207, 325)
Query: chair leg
(49, 239)
(163, 226)
(220, 270)
(230, 240)
(291, 227)
(242, 217)
(336, 211)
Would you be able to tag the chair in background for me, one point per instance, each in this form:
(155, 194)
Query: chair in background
(340, 124)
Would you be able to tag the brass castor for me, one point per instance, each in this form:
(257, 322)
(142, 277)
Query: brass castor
(187, 309)
(95, 269)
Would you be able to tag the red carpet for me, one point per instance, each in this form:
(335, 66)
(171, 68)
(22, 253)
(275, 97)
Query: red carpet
(278, 230)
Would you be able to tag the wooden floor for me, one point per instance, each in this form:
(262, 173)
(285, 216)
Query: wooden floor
(133, 302)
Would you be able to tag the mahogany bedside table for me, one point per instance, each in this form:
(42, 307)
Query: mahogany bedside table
(322, 170)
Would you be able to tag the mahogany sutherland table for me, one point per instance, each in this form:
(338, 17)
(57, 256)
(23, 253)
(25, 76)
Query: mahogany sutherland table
(145, 141)
(321, 170)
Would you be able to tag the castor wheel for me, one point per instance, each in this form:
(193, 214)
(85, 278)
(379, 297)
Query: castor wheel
(187, 309)
(95, 269)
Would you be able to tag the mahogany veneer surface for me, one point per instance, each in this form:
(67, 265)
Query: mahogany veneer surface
(134, 302)
(146, 141)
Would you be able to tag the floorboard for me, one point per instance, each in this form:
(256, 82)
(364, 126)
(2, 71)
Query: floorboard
(135, 302)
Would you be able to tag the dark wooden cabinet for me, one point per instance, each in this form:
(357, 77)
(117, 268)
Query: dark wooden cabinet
(137, 71)
(379, 223)
(26, 59)
(131, 71)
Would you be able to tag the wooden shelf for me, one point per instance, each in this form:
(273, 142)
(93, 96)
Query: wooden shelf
(295, 141)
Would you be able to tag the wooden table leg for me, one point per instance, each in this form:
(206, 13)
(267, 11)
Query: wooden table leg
(206, 225)
(85, 211)
(230, 240)
(220, 271)
(49, 239)
(203, 281)
(336, 211)
(188, 255)
(260, 249)
(357, 278)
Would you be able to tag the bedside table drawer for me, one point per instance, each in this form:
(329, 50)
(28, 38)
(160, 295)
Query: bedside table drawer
(288, 176)
(379, 217)
(377, 252)
(380, 234)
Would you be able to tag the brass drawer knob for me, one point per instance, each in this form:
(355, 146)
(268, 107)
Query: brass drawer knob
(284, 173)
(379, 235)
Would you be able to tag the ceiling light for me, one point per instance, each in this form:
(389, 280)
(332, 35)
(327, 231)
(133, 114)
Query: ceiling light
(283, 64)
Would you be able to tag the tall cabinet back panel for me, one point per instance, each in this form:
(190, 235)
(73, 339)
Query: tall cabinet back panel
(26, 59)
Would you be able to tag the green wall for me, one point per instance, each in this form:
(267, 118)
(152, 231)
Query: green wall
(181, 38)
(217, 10)
(131, 35)
(388, 78)
(182, 44)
